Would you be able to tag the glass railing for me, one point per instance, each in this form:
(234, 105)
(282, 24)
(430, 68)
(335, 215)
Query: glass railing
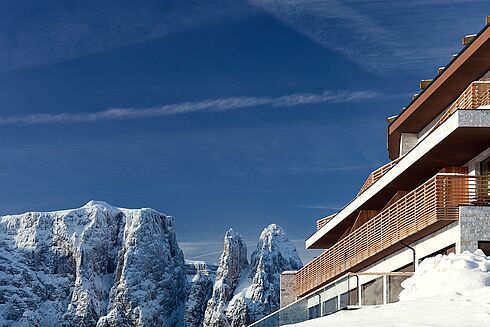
(352, 291)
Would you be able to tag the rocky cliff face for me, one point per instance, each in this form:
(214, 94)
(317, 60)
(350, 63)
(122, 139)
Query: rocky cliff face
(232, 264)
(200, 292)
(201, 279)
(256, 291)
(96, 265)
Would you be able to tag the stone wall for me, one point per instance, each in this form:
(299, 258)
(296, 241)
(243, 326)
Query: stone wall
(288, 294)
(475, 226)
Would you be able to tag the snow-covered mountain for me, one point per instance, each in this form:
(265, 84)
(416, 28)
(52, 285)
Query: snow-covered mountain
(103, 266)
(253, 291)
(96, 265)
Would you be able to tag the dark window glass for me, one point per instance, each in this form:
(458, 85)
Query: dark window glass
(485, 167)
(484, 188)
(484, 246)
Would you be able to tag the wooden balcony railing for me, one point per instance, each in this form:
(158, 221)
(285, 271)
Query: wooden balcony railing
(436, 200)
(377, 174)
(322, 222)
(477, 94)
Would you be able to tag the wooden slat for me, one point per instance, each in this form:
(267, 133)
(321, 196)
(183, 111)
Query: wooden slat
(377, 174)
(398, 195)
(322, 222)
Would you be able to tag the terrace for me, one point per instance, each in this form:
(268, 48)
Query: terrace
(476, 95)
(448, 141)
(428, 207)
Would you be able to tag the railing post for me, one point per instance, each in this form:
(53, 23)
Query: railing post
(385, 290)
(320, 303)
(359, 291)
(338, 296)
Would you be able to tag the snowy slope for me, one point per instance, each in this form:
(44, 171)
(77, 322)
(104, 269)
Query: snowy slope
(95, 265)
(449, 291)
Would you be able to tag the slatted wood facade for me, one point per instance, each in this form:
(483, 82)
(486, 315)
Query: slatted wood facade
(436, 200)
(476, 95)
(377, 174)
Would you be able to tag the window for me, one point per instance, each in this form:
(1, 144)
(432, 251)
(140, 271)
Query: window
(485, 167)
(484, 189)
(314, 312)
(484, 246)
(372, 292)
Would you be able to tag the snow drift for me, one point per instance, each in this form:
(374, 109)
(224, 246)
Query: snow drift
(448, 274)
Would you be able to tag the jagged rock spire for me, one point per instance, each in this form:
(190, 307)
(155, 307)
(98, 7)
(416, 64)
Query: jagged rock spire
(232, 263)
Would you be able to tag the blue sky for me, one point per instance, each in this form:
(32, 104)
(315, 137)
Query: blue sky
(220, 113)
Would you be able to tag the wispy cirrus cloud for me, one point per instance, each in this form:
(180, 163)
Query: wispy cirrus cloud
(208, 105)
(210, 252)
(205, 250)
(49, 32)
(381, 36)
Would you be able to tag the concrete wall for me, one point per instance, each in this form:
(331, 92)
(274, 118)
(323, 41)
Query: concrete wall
(475, 226)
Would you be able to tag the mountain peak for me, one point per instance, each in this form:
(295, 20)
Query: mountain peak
(230, 233)
(98, 204)
(272, 230)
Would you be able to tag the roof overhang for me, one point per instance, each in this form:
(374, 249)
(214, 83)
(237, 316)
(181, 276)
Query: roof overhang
(471, 64)
(460, 138)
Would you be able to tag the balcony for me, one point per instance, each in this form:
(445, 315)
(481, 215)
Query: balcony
(427, 208)
(476, 95)
(450, 141)
(470, 64)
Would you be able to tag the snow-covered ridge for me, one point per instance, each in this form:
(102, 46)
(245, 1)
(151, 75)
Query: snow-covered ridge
(201, 277)
(94, 265)
(232, 263)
